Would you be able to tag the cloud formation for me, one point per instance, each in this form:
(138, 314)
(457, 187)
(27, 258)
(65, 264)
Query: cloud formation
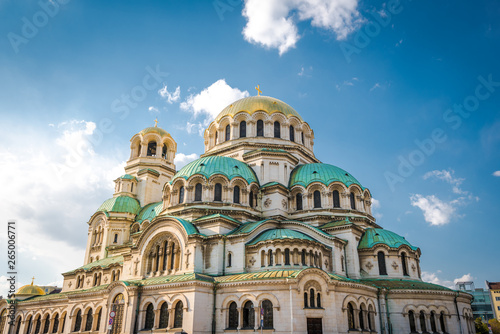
(170, 96)
(430, 277)
(273, 23)
(182, 159)
(497, 173)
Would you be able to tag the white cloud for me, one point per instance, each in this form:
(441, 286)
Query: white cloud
(54, 184)
(497, 173)
(273, 23)
(375, 207)
(435, 279)
(377, 85)
(182, 159)
(465, 278)
(447, 176)
(170, 97)
(305, 72)
(435, 211)
(212, 99)
(153, 109)
(346, 83)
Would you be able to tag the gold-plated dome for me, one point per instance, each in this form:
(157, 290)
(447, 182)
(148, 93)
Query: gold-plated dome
(258, 103)
(30, 289)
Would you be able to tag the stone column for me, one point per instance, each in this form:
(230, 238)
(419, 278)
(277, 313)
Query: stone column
(417, 322)
(356, 319)
(256, 318)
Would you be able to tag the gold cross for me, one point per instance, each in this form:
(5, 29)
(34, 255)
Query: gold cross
(32, 280)
(258, 90)
(156, 122)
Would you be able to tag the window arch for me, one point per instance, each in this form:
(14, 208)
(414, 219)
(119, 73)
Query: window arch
(218, 192)
(243, 129)
(229, 259)
(46, 324)
(164, 151)
(88, 322)
(350, 316)
(28, 328)
(150, 317)
(197, 192)
(382, 270)
(277, 129)
(287, 257)
(404, 264)
(353, 201)
(411, 319)
(38, 323)
(442, 322)
(236, 195)
(248, 316)
(433, 322)
(228, 132)
(250, 199)
(178, 314)
(260, 128)
(270, 260)
(98, 321)
(181, 195)
(317, 199)
(233, 316)
(292, 133)
(311, 298)
(298, 201)
(336, 199)
(163, 316)
(151, 149)
(267, 305)
(423, 325)
(78, 321)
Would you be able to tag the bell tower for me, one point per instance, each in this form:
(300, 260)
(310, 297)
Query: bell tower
(152, 153)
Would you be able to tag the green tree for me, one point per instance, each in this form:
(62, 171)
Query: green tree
(481, 327)
(495, 326)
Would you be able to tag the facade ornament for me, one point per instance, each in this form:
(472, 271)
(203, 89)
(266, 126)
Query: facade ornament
(394, 265)
(413, 267)
(105, 279)
(267, 203)
(369, 265)
(284, 203)
(88, 281)
(136, 267)
(70, 284)
(188, 252)
(252, 261)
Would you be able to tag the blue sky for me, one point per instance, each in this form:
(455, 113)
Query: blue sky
(377, 81)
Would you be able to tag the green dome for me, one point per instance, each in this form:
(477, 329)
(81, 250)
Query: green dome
(149, 212)
(280, 234)
(319, 172)
(214, 165)
(258, 103)
(127, 177)
(374, 236)
(120, 204)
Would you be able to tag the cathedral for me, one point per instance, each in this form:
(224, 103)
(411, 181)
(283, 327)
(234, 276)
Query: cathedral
(257, 235)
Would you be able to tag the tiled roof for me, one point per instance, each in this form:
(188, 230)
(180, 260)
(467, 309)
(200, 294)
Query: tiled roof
(247, 227)
(374, 236)
(128, 177)
(320, 172)
(62, 295)
(336, 223)
(399, 284)
(280, 234)
(173, 279)
(493, 285)
(120, 204)
(102, 263)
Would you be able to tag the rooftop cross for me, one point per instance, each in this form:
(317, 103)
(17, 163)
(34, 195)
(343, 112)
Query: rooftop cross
(156, 122)
(32, 280)
(258, 90)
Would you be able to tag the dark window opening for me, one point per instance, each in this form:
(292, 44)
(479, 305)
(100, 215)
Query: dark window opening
(277, 129)
(317, 199)
(197, 192)
(268, 314)
(236, 194)
(151, 149)
(233, 316)
(382, 270)
(287, 257)
(292, 133)
(353, 201)
(248, 316)
(181, 194)
(404, 265)
(218, 192)
(243, 129)
(163, 316)
(178, 314)
(260, 128)
(298, 201)
(228, 132)
(336, 199)
(150, 317)
(164, 151)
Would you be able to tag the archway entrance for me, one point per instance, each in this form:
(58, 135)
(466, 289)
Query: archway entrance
(314, 326)
(117, 307)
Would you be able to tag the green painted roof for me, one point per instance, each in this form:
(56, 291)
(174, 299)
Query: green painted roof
(188, 226)
(154, 129)
(174, 279)
(212, 165)
(149, 212)
(145, 170)
(374, 236)
(216, 215)
(102, 263)
(397, 284)
(268, 184)
(336, 223)
(252, 104)
(320, 172)
(247, 227)
(128, 177)
(280, 234)
(266, 149)
(271, 274)
(120, 204)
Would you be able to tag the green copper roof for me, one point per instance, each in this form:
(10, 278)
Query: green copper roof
(120, 204)
(154, 129)
(216, 215)
(146, 170)
(173, 279)
(252, 104)
(128, 177)
(269, 184)
(213, 165)
(188, 226)
(280, 234)
(266, 149)
(149, 212)
(336, 223)
(319, 172)
(102, 263)
(397, 284)
(247, 227)
(271, 274)
(374, 236)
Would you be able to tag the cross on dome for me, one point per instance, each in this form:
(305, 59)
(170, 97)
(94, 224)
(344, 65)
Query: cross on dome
(258, 90)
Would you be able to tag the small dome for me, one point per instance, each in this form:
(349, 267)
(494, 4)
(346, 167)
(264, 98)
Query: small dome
(319, 172)
(258, 103)
(154, 129)
(149, 212)
(374, 236)
(280, 234)
(120, 204)
(30, 289)
(127, 177)
(213, 165)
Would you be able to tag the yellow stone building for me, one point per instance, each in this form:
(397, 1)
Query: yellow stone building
(256, 235)
(494, 288)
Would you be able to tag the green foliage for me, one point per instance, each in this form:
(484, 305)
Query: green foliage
(481, 327)
(495, 326)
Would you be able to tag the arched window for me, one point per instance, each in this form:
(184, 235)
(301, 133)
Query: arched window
(350, 316)
(172, 256)
(28, 329)
(303, 257)
(248, 316)
(370, 320)
(318, 300)
(163, 315)
(197, 192)
(218, 192)
(181, 194)
(233, 316)
(229, 259)
(353, 201)
(381, 263)
(150, 317)
(298, 201)
(164, 151)
(132, 187)
(165, 255)
(311, 298)
(78, 321)
(98, 322)
(46, 324)
(411, 319)
(260, 128)
(38, 323)
(236, 194)
(433, 322)
(403, 264)
(268, 314)
(243, 129)
(317, 199)
(336, 199)
(302, 137)
(270, 257)
(178, 314)
(118, 304)
(115, 240)
(90, 319)
(250, 199)
(306, 303)
(287, 257)
(228, 132)
(442, 323)
(277, 129)
(18, 324)
(423, 325)
(151, 149)
(362, 318)
(292, 133)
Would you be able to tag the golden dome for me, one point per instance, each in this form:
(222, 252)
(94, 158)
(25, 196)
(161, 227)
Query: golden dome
(30, 289)
(258, 103)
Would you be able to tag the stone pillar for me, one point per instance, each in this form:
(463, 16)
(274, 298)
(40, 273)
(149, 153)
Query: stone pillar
(356, 320)
(417, 322)
(256, 318)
